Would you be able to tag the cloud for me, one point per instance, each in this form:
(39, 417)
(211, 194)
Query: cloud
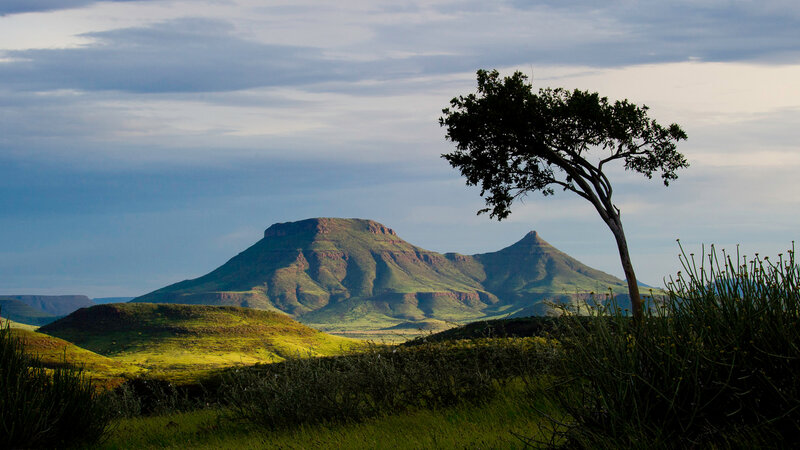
(182, 56)
(8, 7)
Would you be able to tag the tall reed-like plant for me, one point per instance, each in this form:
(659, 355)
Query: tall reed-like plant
(381, 380)
(42, 408)
(716, 363)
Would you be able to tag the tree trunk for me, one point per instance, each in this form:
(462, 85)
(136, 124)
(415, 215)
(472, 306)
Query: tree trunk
(633, 286)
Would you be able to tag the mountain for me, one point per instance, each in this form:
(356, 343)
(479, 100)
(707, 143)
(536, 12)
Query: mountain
(103, 300)
(18, 311)
(166, 337)
(532, 270)
(356, 273)
(56, 305)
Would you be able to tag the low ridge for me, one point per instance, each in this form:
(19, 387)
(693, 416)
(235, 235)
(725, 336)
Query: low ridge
(179, 337)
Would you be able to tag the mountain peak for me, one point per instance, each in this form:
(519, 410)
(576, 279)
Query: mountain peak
(530, 241)
(326, 225)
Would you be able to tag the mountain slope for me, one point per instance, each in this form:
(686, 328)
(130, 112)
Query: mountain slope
(21, 312)
(333, 264)
(177, 337)
(358, 274)
(54, 352)
(56, 305)
(532, 269)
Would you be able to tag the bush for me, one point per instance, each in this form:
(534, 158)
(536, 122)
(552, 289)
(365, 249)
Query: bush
(152, 397)
(42, 408)
(716, 364)
(380, 380)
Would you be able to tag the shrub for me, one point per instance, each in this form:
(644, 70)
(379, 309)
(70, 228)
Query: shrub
(716, 364)
(380, 380)
(41, 407)
(146, 396)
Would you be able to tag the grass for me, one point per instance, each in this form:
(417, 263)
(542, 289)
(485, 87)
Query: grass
(169, 340)
(489, 425)
(716, 365)
(41, 407)
(17, 325)
(382, 380)
(713, 366)
(52, 352)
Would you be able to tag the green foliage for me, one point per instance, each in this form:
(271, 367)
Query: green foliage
(511, 141)
(716, 364)
(52, 352)
(490, 425)
(381, 380)
(44, 408)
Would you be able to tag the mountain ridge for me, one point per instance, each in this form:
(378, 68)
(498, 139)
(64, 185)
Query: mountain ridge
(331, 271)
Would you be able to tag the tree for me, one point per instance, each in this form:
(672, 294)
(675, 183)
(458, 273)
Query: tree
(512, 141)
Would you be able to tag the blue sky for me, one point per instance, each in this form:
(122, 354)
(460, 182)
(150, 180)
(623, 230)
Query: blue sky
(146, 142)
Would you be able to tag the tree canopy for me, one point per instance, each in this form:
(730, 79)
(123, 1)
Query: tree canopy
(511, 141)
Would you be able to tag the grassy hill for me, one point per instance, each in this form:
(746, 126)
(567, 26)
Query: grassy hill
(20, 312)
(54, 352)
(12, 324)
(163, 337)
(355, 274)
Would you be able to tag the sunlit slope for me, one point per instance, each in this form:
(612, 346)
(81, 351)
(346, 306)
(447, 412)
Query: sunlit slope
(332, 270)
(178, 337)
(348, 274)
(55, 352)
(531, 270)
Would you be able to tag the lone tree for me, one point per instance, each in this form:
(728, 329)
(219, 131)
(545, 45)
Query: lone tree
(511, 141)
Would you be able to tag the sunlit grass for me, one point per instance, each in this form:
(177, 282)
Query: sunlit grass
(490, 425)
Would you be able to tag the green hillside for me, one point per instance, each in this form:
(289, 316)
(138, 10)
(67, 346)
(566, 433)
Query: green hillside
(21, 312)
(355, 274)
(54, 352)
(163, 337)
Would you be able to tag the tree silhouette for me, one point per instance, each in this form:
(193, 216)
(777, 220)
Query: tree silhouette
(511, 141)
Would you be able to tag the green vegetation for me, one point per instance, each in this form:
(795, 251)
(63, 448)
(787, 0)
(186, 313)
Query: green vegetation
(44, 408)
(494, 424)
(52, 352)
(712, 365)
(173, 340)
(381, 380)
(717, 365)
(17, 325)
(512, 141)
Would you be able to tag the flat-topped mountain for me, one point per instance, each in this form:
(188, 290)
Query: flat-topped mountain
(55, 305)
(21, 312)
(359, 273)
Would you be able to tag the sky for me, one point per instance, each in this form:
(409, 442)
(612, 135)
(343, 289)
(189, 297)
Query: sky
(147, 142)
